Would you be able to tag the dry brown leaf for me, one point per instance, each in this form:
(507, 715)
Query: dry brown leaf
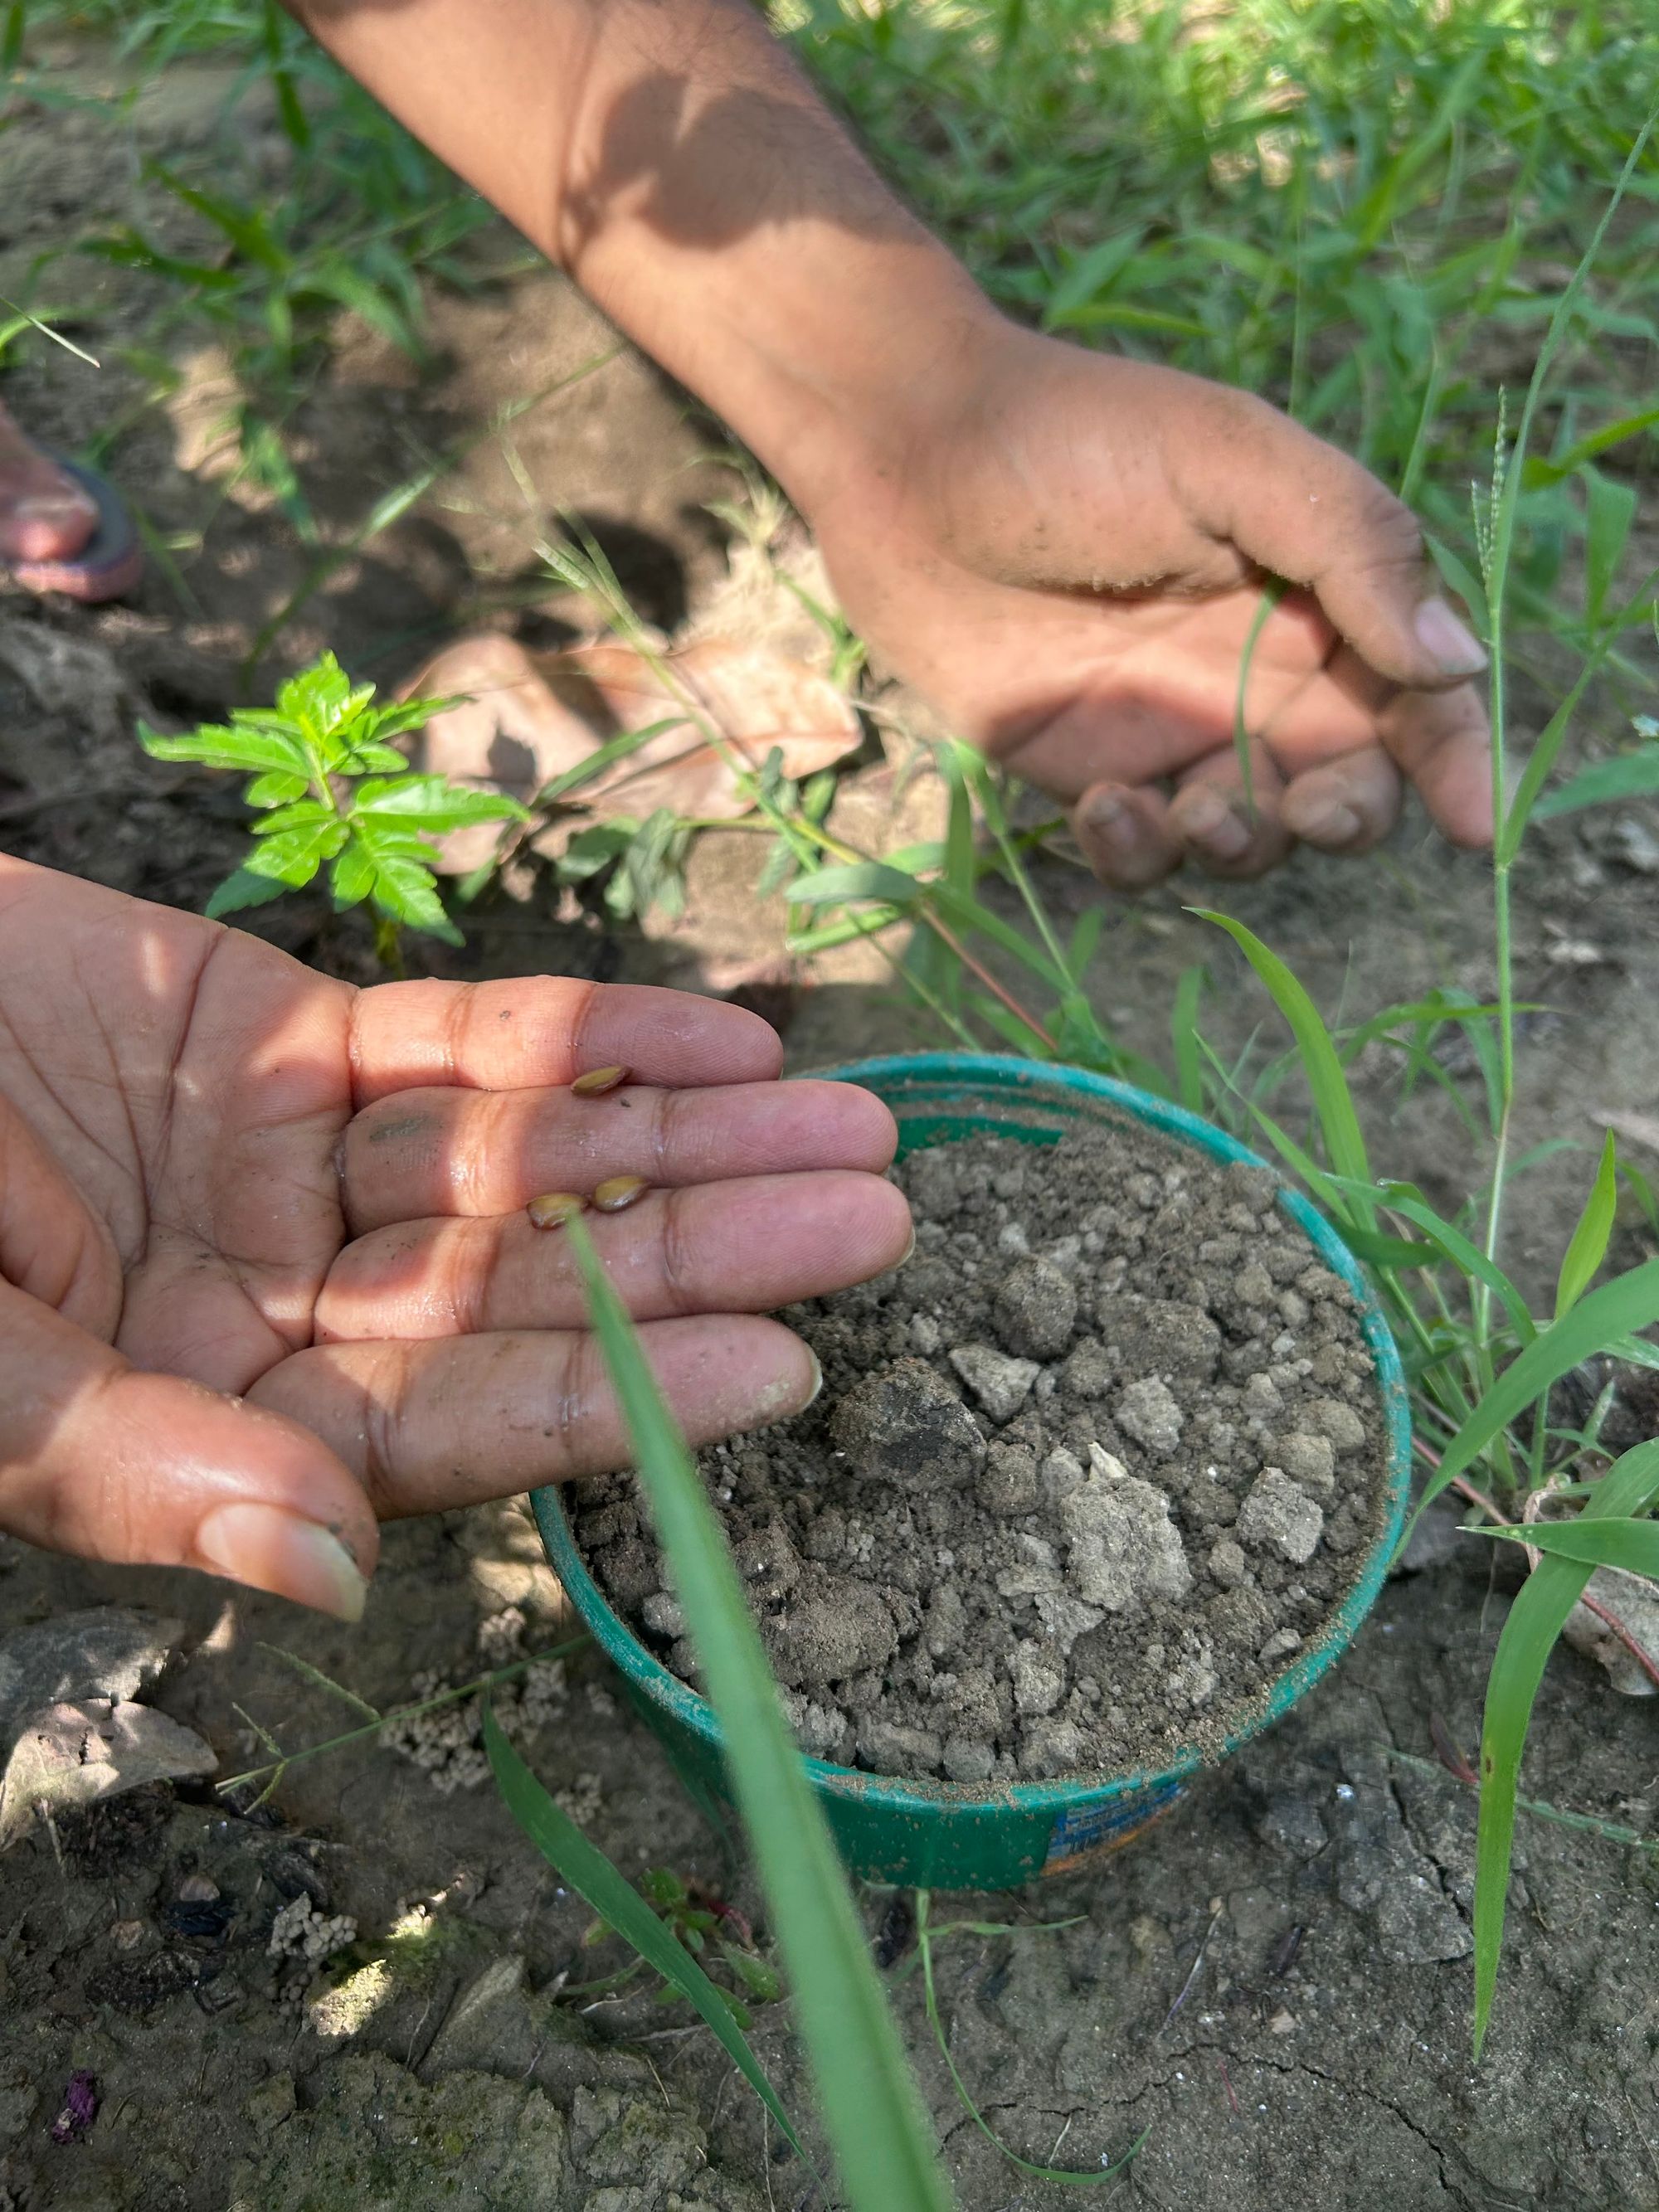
(529, 717)
(72, 1754)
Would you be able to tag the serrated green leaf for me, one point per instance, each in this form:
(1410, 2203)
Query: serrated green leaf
(351, 878)
(432, 802)
(242, 888)
(294, 856)
(303, 814)
(236, 746)
(407, 892)
(274, 787)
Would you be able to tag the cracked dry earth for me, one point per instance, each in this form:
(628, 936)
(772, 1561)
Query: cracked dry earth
(1273, 1985)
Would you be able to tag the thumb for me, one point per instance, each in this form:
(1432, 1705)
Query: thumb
(101, 1459)
(1299, 509)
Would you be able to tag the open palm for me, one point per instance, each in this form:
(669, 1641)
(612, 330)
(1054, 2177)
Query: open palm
(265, 1273)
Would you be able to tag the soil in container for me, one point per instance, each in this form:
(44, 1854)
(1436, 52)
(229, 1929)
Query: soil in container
(1084, 1476)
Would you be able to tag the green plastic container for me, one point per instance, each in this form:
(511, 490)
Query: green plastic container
(948, 1835)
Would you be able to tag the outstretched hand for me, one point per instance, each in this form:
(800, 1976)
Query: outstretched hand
(1068, 553)
(266, 1275)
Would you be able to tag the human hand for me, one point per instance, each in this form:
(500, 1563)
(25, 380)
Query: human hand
(1066, 552)
(265, 1273)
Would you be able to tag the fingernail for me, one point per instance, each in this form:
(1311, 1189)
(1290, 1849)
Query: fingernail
(1335, 826)
(1207, 820)
(1114, 824)
(1453, 648)
(909, 1247)
(818, 1379)
(269, 1548)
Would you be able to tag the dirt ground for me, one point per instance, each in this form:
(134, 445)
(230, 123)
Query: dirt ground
(1271, 1991)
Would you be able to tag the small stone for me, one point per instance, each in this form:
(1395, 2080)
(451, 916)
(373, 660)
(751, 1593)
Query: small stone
(1012, 1240)
(198, 1889)
(1035, 1311)
(1252, 1285)
(768, 1562)
(1000, 1382)
(1633, 844)
(1061, 1472)
(1283, 2023)
(1279, 1645)
(1090, 1370)
(1340, 1423)
(966, 1761)
(889, 1749)
(1124, 1548)
(1227, 1564)
(906, 1425)
(662, 1616)
(1147, 1412)
(1276, 1516)
(925, 1334)
(1309, 1459)
(1051, 1748)
(1007, 1482)
(1038, 1687)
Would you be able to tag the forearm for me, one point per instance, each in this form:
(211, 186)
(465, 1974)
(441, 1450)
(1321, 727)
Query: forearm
(671, 157)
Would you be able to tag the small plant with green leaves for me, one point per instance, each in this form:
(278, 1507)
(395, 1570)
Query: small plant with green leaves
(333, 792)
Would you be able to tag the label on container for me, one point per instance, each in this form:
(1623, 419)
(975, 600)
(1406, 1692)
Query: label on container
(1102, 1825)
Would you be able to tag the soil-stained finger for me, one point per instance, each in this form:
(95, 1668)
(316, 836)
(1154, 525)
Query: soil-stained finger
(434, 1152)
(743, 1246)
(427, 1426)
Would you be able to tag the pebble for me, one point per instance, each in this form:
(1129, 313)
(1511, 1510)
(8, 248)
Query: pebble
(1147, 1412)
(1035, 1311)
(1276, 1516)
(999, 1382)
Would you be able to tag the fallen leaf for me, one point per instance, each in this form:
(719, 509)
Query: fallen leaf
(73, 1755)
(527, 718)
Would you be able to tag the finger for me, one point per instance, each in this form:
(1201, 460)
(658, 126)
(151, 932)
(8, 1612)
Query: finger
(101, 1459)
(487, 1153)
(745, 1247)
(1441, 740)
(1345, 805)
(51, 1246)
(429, 1425)
(541, 1030)
(1310, 513)
(1123, 831)
(1232, 829)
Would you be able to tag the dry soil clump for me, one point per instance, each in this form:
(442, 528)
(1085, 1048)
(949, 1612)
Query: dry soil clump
(1085, 1475)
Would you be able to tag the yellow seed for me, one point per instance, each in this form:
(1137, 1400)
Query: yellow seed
(618, 1192)
(598, 1081)
(554, 1207)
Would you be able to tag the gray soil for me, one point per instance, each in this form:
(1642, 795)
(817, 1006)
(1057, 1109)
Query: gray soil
(1086, 1474)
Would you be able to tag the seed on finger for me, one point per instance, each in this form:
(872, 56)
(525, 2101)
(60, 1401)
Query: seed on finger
(618, 1191)
(598, 1081)
(553, 1208)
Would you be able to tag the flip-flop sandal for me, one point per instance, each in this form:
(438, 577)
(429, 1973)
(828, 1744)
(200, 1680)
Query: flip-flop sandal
(107, 567)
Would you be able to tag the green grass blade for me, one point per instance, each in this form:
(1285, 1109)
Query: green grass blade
(1588, 1247)
(1629, 775)
(1183, 1026)
(874, 2117)
(1343, 1144)
(1630, 1302)
(1535, 1620)
(1466, 1256)
(1631, 1545)
(581, 1864)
